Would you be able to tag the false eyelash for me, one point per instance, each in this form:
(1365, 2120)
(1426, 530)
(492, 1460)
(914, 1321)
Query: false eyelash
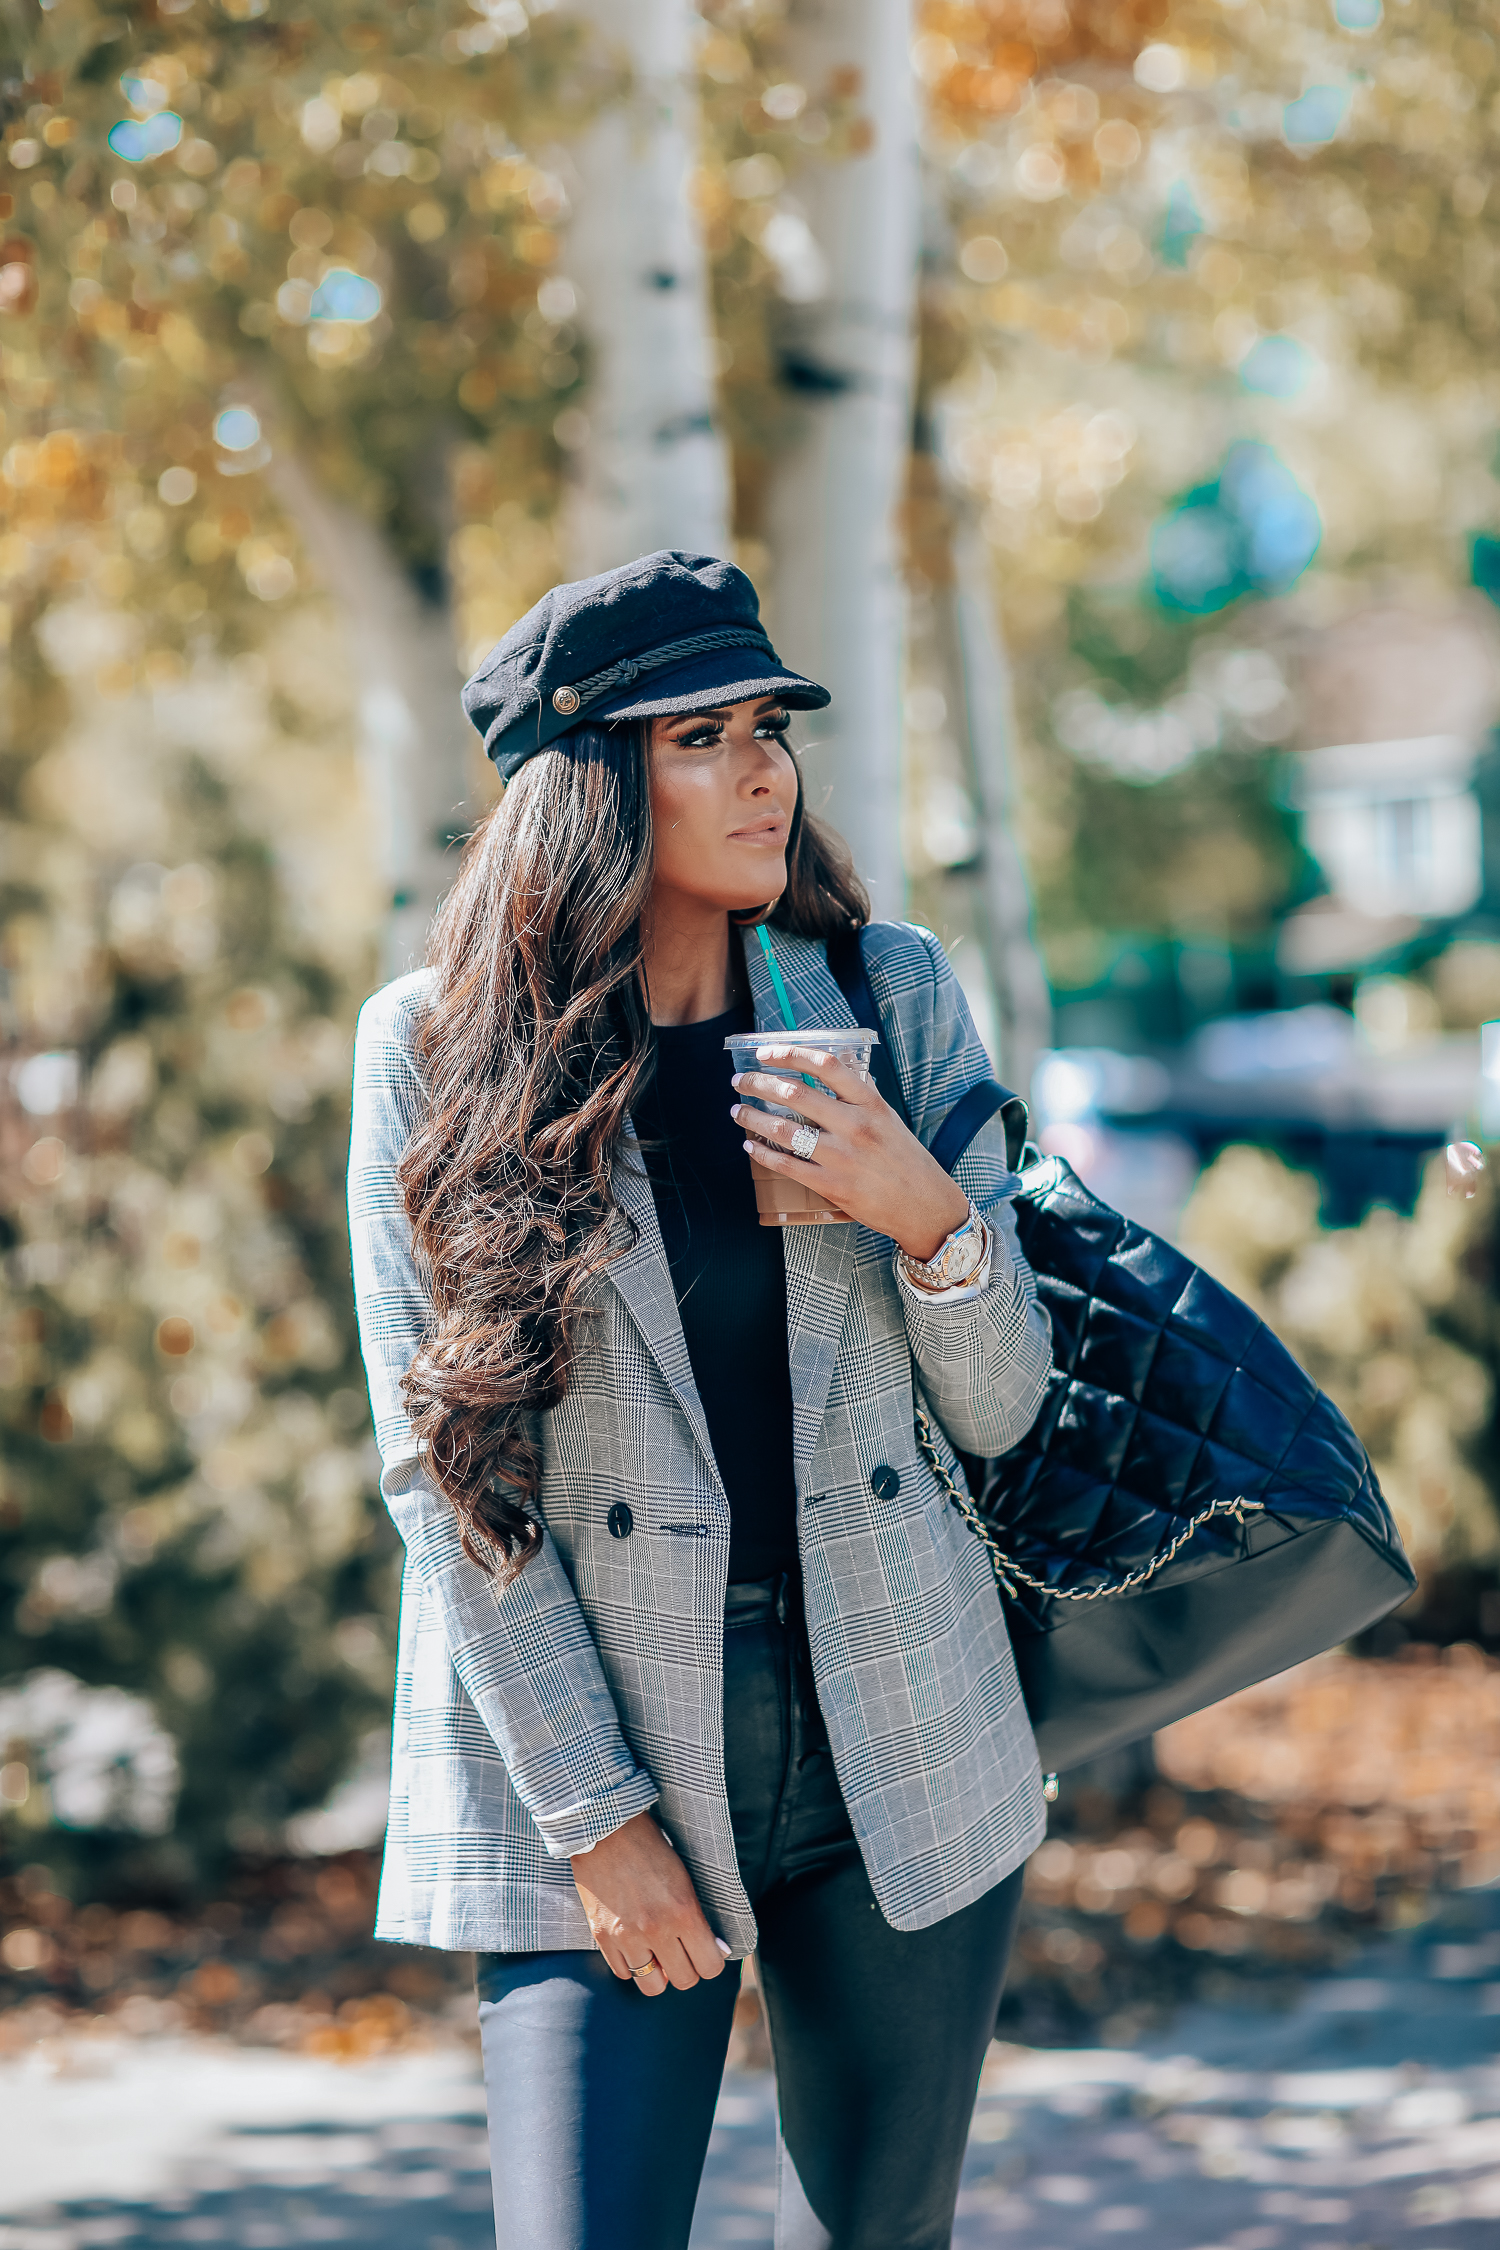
(701, 738)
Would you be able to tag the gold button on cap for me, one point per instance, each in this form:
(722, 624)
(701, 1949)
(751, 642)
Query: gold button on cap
(565, 699)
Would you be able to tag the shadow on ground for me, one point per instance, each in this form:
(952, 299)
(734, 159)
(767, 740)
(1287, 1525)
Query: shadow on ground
(1364, 2117)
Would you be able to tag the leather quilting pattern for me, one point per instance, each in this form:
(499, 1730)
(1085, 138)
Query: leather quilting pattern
(1176, 1440)
(1167, 1394)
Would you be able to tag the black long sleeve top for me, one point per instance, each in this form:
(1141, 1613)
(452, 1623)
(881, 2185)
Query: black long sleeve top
(730, 1278)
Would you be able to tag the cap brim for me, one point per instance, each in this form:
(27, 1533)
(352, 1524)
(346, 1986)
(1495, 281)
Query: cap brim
(705, 683)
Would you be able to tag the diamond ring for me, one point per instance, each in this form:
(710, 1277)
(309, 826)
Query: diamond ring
(805, 1140)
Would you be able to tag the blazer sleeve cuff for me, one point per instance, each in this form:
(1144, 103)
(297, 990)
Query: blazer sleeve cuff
(1003, 1275)
(584, 1825)
(1001, 1311)
(984, 1363)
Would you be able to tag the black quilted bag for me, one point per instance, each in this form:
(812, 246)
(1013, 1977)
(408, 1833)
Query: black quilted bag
(1189, 1513)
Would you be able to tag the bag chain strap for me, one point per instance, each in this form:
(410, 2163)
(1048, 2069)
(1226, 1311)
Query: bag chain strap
(1006, 1569)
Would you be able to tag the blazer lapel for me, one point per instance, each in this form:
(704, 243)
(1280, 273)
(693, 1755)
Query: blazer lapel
(819, 1260)
(644, 1280)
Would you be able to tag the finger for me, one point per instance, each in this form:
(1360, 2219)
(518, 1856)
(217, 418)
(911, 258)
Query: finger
(778, 1157)
(829, 1063)
(636, 1958)
(705, 1951)
(794, 1093)
(773, 1159)
(652, 1982)
(778, 1132)
(675, 1966)
(836, 1070)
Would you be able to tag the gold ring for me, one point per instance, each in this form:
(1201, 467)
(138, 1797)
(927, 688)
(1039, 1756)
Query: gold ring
(645, 1968)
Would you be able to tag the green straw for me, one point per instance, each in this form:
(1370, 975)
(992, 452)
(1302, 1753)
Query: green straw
(783, 997)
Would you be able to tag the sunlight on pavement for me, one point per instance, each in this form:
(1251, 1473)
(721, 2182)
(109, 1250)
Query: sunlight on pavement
(1367, 2113)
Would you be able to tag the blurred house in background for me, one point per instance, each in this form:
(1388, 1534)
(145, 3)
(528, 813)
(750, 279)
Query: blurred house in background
(1395, 828)
(1398, 712)
(1367, 1056)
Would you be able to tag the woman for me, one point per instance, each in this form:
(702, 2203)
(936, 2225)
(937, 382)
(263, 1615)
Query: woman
(695, 1660)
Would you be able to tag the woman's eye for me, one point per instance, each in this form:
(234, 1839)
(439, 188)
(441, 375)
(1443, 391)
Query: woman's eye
(701, 738)
(774, 722)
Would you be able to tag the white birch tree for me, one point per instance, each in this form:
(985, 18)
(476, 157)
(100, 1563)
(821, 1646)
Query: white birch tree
(652, 470)
(848, 357)
(982, 687)
(962, 810)
(959, 814)
(419, 755)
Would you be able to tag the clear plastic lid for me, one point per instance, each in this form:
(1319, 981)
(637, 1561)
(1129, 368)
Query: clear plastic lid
(805, 1036)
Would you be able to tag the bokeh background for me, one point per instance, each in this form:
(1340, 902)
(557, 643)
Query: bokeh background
(1102, 396)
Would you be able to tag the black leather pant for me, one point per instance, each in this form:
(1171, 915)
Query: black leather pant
(601, 2100)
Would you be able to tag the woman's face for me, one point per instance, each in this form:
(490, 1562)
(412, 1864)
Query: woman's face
(723, 790)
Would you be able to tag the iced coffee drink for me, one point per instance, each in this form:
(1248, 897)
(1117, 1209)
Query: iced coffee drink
(794, 1199)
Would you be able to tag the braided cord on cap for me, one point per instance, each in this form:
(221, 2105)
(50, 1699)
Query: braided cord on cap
(630, 668)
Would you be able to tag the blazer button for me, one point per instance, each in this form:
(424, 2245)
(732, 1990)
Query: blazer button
(621, 1521)
(884, 1483)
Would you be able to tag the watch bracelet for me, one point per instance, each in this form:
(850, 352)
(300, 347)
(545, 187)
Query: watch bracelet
(920, 1272)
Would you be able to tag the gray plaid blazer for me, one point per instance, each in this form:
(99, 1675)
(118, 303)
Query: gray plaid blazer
(533, 1721)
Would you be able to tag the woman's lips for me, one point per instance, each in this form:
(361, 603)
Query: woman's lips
(765, 832)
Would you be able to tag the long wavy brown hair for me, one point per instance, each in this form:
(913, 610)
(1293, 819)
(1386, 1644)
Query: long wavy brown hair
(535, 1040)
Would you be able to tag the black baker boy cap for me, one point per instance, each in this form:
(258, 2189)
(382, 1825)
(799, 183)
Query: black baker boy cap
(667, 634)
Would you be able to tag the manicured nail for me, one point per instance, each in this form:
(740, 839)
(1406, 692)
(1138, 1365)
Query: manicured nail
(735, 1081)
(723, 1948)
(734, 1111)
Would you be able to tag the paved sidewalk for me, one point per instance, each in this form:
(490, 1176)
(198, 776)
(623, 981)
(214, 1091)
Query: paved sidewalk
(1369, 2115)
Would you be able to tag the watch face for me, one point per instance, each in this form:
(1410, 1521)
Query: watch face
(961, 1259)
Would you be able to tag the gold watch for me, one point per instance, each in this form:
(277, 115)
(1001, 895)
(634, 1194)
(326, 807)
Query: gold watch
(957, 1259)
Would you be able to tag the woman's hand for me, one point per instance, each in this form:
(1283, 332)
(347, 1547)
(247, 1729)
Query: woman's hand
(866, 1162)
(642, 1907)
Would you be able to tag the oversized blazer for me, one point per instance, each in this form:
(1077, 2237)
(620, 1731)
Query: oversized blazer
(532, 1720)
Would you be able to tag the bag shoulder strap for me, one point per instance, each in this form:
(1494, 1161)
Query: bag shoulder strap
(846, 962)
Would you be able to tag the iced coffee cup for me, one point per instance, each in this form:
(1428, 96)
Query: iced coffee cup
(784, 1199)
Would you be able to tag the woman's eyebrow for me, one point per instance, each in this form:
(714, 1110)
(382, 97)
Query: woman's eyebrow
(721, 713)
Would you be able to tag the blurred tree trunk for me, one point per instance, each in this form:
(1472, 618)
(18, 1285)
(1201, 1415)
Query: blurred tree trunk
(417, 750)
(983, 703)
(848, 360)
(962, 848)
(653, 469)
(968, 879)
